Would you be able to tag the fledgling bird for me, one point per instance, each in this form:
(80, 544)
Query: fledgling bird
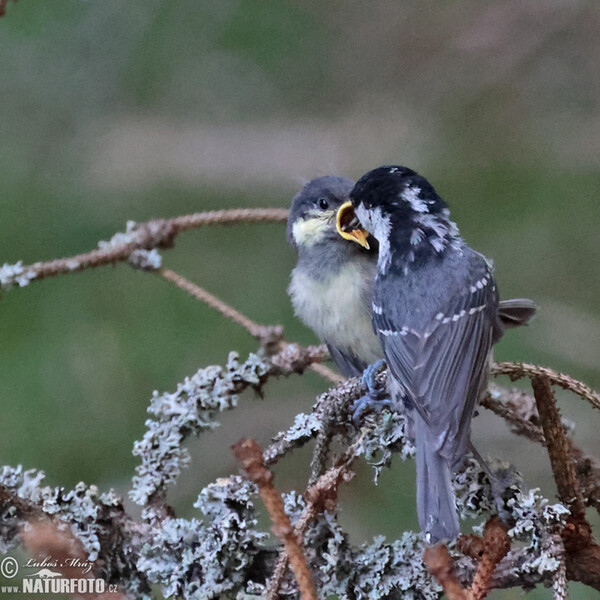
(435, 313)
(332, 285)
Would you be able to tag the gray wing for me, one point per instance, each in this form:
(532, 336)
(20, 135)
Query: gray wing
(438, 351)
(348, 364)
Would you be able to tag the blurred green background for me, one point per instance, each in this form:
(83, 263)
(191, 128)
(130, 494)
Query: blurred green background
(114, 111)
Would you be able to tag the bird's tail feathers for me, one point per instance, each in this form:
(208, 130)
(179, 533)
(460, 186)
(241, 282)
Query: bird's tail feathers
(435, 497)
(516, 312)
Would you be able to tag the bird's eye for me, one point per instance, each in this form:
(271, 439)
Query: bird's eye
(323, 203)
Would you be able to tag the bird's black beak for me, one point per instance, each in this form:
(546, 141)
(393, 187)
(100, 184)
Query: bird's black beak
(349, 227)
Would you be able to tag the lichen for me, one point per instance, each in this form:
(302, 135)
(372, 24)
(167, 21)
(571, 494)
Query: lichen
(190, 410)
(15, 275)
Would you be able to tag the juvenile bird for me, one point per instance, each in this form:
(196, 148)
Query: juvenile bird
(435, 313)
(332, 285)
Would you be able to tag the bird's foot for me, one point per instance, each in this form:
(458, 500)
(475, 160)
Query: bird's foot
(374, 399)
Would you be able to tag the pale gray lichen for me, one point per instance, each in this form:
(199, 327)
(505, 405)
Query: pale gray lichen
(474, 496)
(81, 507)
(190, 410)
(224, 554)
(145, 260)
(375, 571)
(393, 571)
(535, 523)
(15, 275)
(195, 559)
(121, 238)
(384, 438)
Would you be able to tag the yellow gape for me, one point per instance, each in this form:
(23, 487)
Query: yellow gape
(348, 225)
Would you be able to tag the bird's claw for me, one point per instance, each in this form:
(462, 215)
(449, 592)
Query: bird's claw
(369, 374)
(374, 399)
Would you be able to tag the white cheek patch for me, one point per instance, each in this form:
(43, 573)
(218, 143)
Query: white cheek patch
(379, 225)
(309, 232)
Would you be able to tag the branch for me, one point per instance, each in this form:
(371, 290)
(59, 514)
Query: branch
(558, 448)
(438, 561)
(321, 496)
(496, 545)
(269, 336)
(3, 4)
(250, 456)
(517, 370)
(582, 552)
(157, 233)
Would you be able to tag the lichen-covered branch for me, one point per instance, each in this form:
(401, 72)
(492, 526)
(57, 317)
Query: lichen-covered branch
(155, 234)
(221, 551)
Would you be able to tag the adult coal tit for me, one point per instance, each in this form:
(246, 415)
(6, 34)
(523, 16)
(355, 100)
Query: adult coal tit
(435, 311)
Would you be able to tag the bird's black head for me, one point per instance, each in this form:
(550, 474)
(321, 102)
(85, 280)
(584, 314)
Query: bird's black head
(396, 191)
(403, 211)
(312, 214)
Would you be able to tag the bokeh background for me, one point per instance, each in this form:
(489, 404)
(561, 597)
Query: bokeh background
(113, 111)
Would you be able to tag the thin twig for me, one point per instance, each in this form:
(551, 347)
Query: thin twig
(582, 552)
(250, 456)
(496, 545)
(557, 444)
(270, 336)
(201, 294)
(3, 4)
(516, 370)
(157, 233)
(320, 496)
(514, 408)
(326, 373)
(438, 561)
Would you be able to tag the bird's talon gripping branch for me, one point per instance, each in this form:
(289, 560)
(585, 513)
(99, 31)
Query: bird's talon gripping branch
(375, 398)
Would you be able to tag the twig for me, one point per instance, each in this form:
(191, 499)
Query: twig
(515, 409)
(518, 370)
(225, 309)
(558, 447)
(582, 552)
(269, 336)
(519, 410)
(157, 233)
(321, 495)
(250, 455)
(438, 561)
(496, 545)
(3, 4)
(326, 373)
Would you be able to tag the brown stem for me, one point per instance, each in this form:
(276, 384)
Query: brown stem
(253, 328)
(320, 496)
(558, 447)
(250, 455)
(582, 553)
(496, 545)
(438, 561)
(518, 370)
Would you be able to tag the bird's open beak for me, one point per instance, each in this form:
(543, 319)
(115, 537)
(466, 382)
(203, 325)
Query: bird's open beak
(348, 225)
